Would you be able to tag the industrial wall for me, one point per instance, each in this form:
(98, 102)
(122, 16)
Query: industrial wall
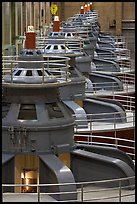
(110, 13)
(117, 18)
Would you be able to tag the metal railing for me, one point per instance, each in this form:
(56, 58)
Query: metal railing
(120, 42)
(105, 121)
(118, 54)
(86, 191)
(57, 67)
(123, 53)
(127, 81)
(75, 44)
(88, 136)
(109, 121)
(109, 141)
(126, 66)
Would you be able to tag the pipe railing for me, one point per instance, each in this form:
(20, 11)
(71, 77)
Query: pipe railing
(106, 122)
(83, 190)
(125, 67)
(58, 67)
(113, 87)
(128, 144)
(109, 121)
(75, 44)
(123, 53)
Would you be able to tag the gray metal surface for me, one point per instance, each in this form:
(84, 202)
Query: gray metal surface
(79, 112)
(8, 171)
(56, 49)
(30, 55)
(106, 65)
(113, 112)
(76, 88)
(99, 167)
(6, 157)
(106, 81)
(23, 78)
(108, 54)
(89, 86)
(105, 45)
(9, 50)
(89, 49)
(108, 151)
(52, 121)
(56, 172)
(83, 63)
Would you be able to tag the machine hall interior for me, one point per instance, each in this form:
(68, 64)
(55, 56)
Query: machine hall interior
(68, 95)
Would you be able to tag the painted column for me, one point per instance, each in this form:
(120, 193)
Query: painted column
(48, 13)
(118, 10)
(21, 18)
(26, 7)
(16, 26)
(3, 27)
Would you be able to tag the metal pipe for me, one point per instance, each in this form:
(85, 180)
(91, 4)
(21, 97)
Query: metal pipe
(43, 73)
(81, 192)
(11, 72)
(119, 190)
(38, 187)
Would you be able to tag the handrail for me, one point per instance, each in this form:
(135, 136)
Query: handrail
(56, 64)
(126, 67)
(110, 123)
(95, 124)
(68, 42)
(89, 140)
(128, 85)
(81, 190)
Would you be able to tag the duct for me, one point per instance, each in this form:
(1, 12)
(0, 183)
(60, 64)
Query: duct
(80, 114)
